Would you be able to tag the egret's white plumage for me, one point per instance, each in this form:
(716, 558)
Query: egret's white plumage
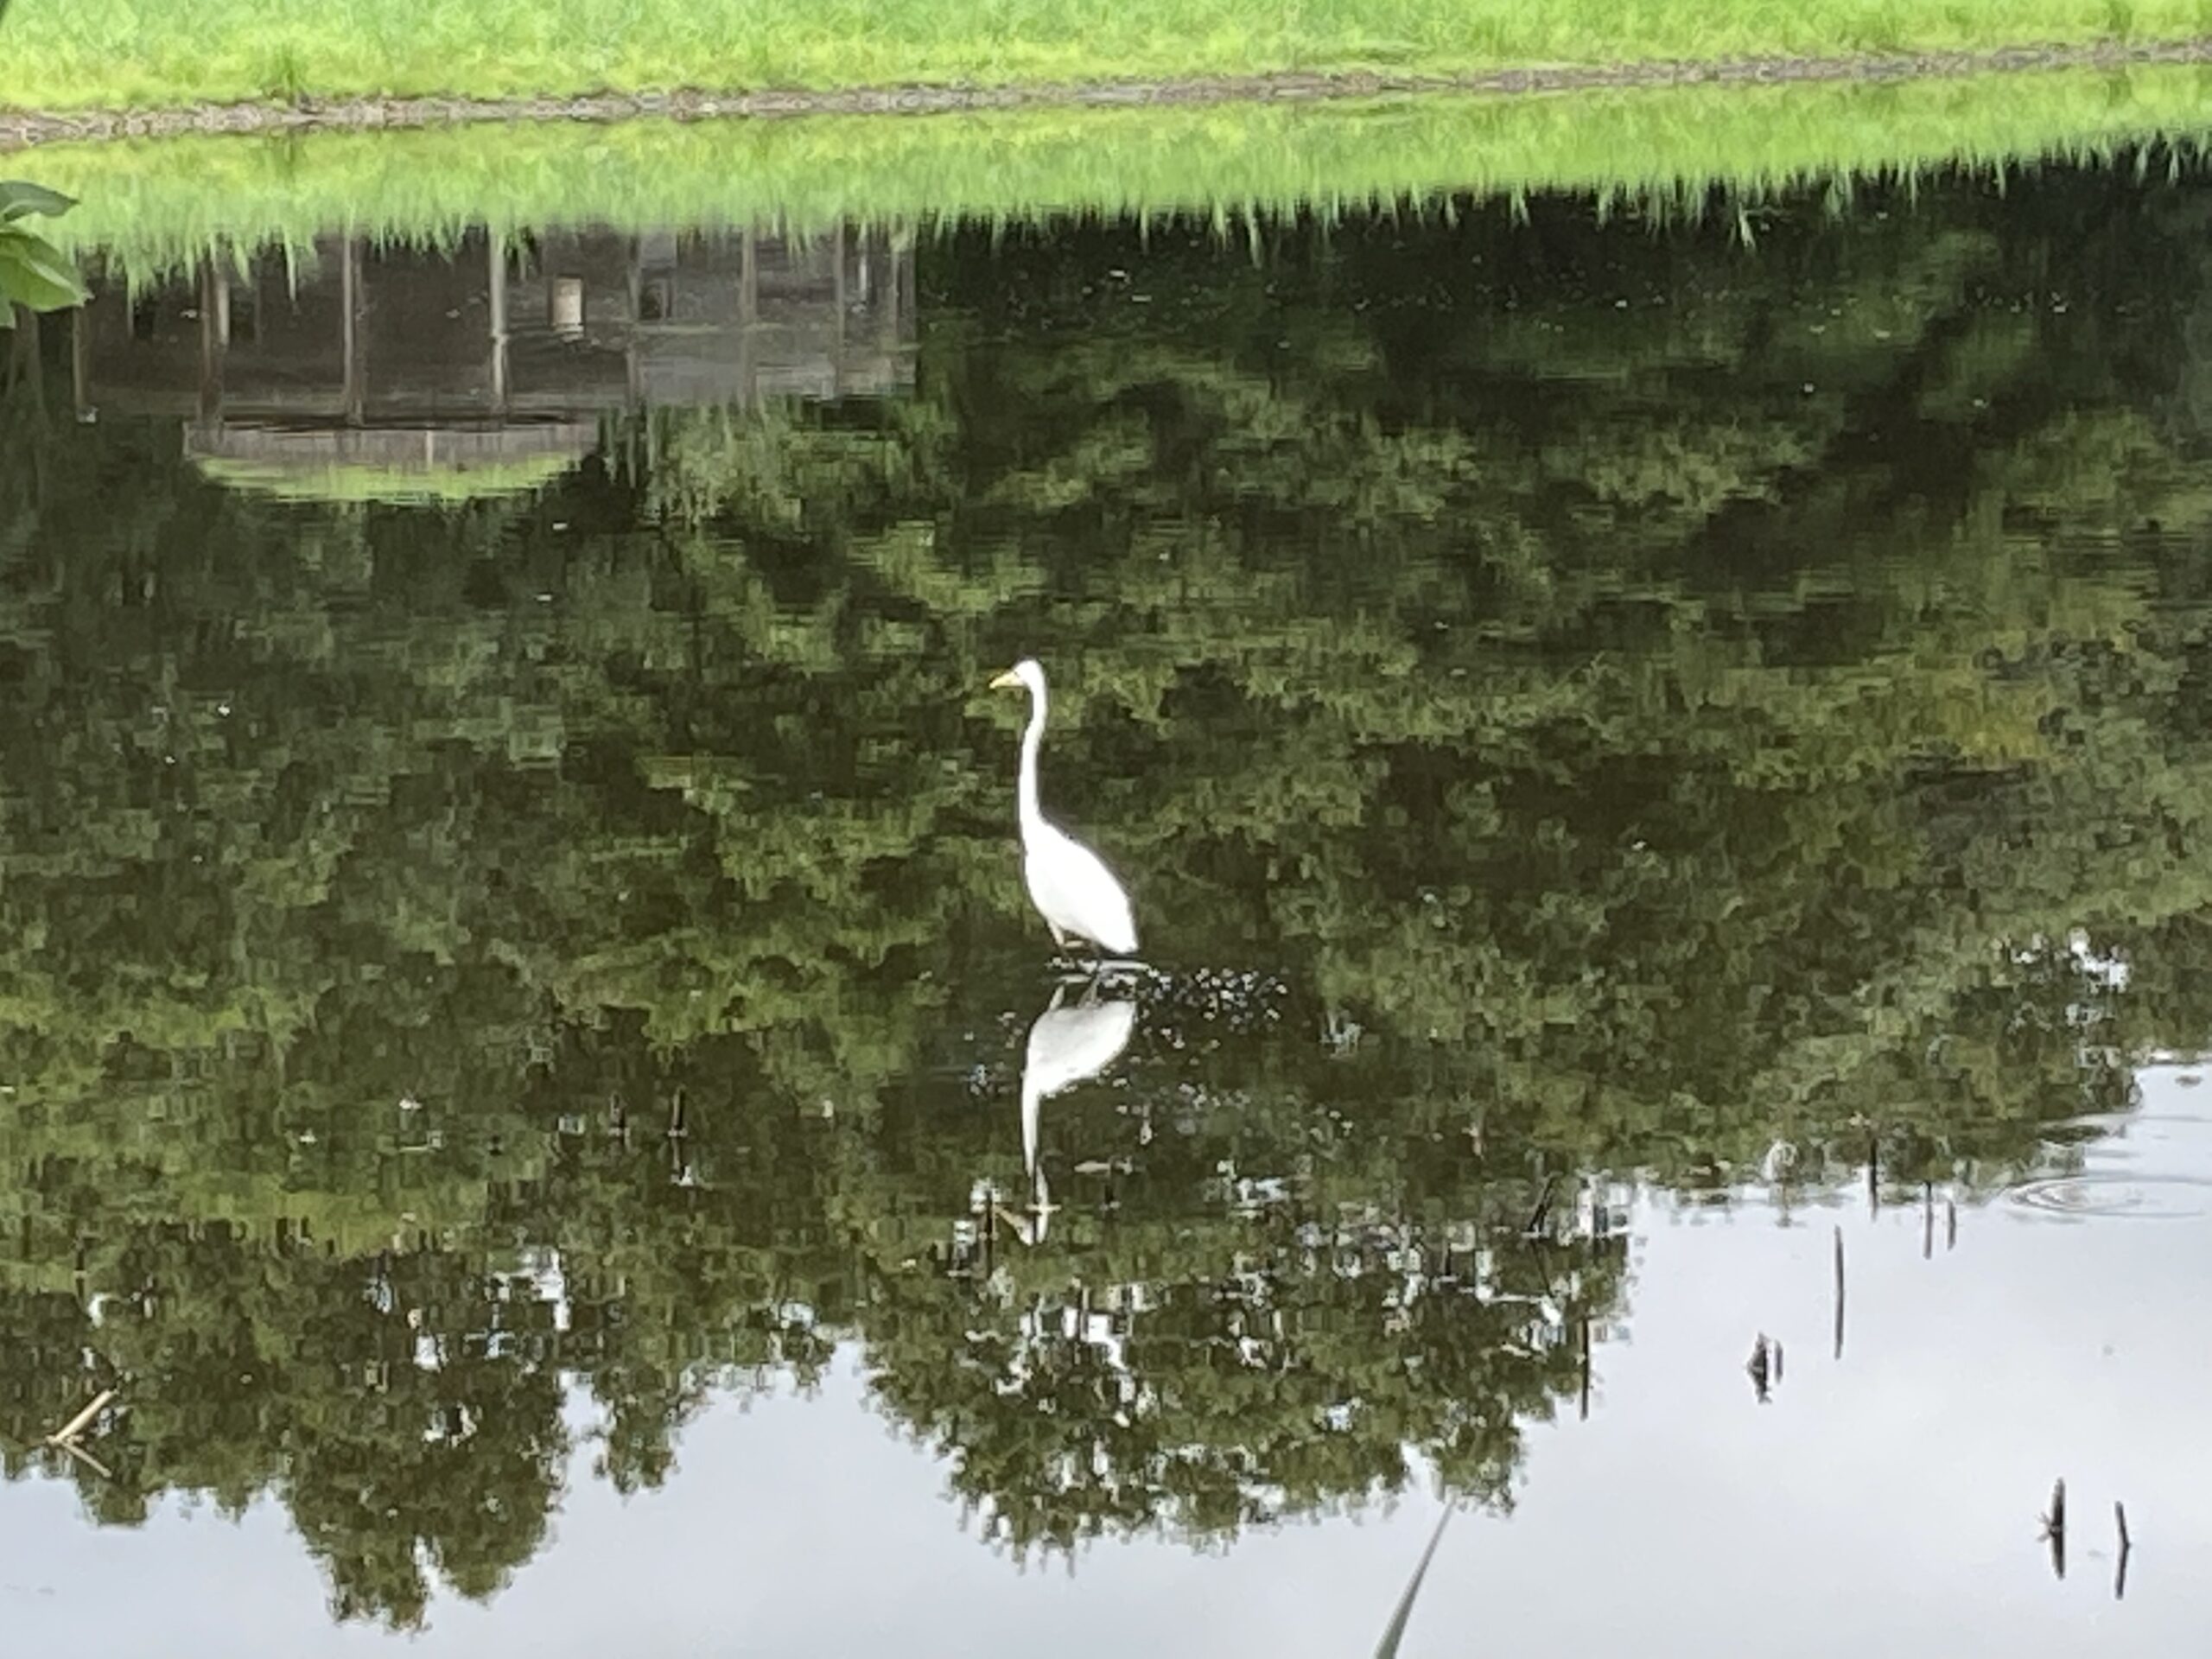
(1066, 1046)
(1071, 885)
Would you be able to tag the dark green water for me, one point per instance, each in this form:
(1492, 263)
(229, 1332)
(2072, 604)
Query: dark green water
(1649, 767)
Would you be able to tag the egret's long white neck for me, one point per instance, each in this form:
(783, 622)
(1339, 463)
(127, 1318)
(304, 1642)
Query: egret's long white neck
(1033, 816)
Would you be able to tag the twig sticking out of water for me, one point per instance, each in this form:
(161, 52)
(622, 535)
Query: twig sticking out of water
(1394, 1632)
(2120, 1571)
(88, 1460)
(1757, 1366)
(1543, 1210)
(2054, 1527)
(1950, 1224)
(1839, 1293)
(1585, 1368)
(1927, 1221)
(69, 1431)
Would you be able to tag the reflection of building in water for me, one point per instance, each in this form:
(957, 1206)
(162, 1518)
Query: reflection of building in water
(496, 359)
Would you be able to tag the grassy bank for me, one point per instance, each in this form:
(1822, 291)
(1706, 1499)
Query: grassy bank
(153, 203)
(84, 53)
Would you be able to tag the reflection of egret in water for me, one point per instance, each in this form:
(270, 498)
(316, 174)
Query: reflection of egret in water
(1066, 1045)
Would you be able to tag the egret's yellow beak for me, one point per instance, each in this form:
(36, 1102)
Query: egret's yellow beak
(1006, 679)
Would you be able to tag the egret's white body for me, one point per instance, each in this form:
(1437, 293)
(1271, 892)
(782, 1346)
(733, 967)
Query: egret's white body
(1066, 1045)
(1071, 885)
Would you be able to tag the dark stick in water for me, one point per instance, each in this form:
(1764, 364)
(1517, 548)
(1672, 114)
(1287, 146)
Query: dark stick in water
(1839, 1293)
(2120, 1571)
(1394, 1632)
(2054, 1527)
(1543, 1210)
(1586, 1367)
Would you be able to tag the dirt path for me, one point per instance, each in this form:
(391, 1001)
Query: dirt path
(23, 127)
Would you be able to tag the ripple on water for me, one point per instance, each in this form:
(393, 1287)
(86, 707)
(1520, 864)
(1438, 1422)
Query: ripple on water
(2102, 1197)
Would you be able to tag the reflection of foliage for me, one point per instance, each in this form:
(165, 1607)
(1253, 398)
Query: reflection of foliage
(1323, 1358)
(1675, 153)
(445, 953)
(34, 273)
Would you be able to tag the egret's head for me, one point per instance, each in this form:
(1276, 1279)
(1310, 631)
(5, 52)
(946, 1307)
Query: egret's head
(1026, 674)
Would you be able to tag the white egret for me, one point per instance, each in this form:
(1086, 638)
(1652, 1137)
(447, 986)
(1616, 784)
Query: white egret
(1071, 885)
(1066, 1046)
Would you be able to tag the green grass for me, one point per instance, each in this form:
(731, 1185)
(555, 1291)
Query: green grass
(153, 204)
(339, 481)
(75, 53)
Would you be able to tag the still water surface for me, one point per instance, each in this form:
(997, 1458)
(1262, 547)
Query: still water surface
(1666, 783)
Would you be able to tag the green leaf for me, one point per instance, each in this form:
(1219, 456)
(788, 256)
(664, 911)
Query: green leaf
(19, 199)
(37, 274)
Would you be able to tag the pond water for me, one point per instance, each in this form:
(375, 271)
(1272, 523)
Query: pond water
(1664, 768)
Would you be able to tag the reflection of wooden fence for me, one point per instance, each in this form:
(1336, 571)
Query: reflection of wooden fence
(558, 326)
(391, 445)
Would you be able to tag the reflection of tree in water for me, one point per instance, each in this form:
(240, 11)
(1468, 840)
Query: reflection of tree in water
(1292, 1365)
(418, 992)
(1239, 1315)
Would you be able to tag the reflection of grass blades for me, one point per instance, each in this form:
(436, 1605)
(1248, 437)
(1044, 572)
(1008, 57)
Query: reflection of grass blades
(1394, 1632)
(340, 482)
(154, 204)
